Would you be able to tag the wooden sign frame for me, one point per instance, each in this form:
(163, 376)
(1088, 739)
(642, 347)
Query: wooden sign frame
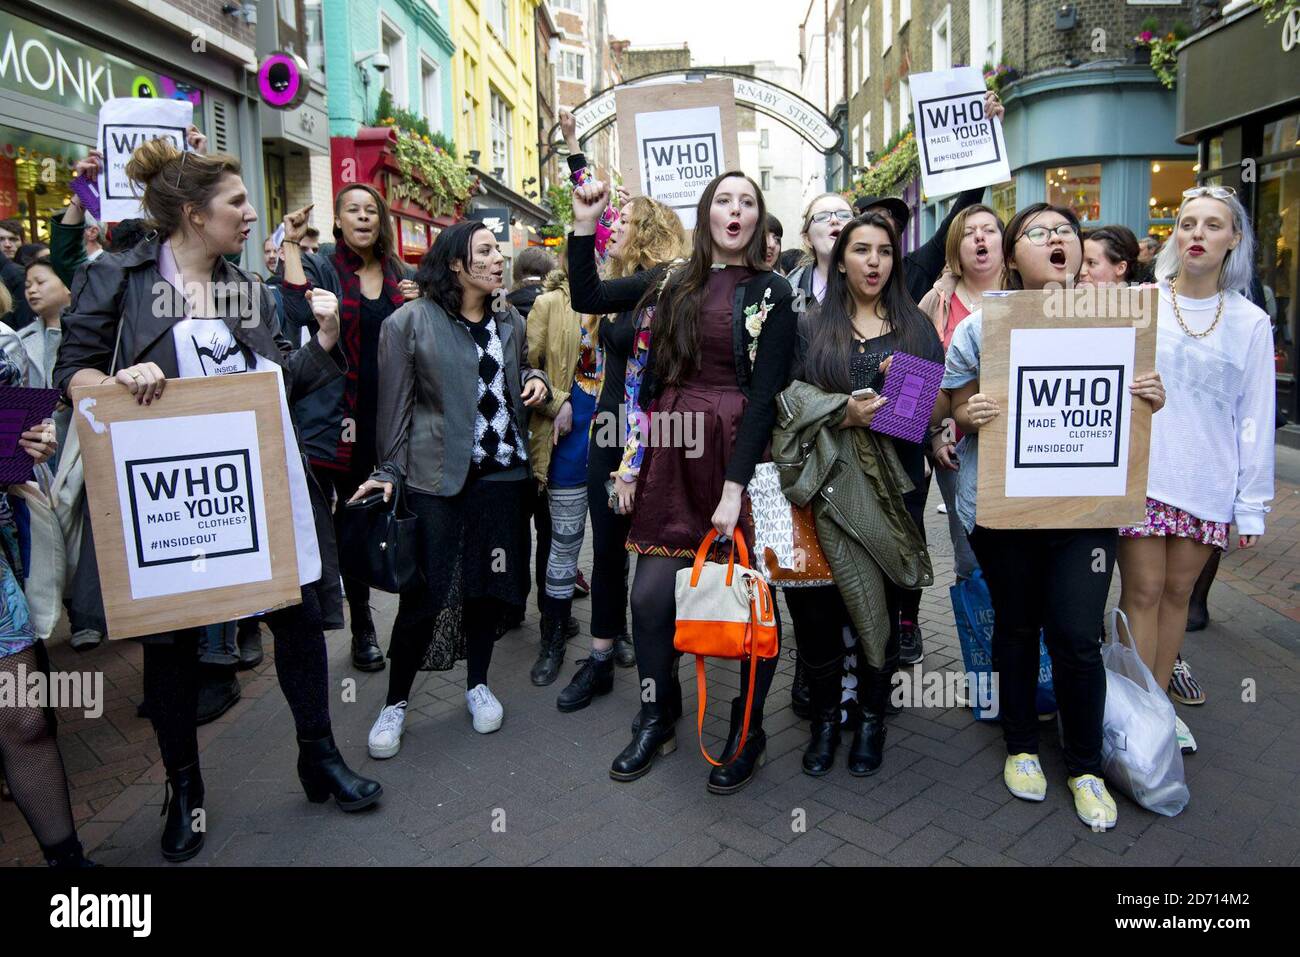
(1031, 309)
(662, 97)
(98, 406)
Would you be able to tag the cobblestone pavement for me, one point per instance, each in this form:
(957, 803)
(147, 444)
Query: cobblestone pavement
(538, 791)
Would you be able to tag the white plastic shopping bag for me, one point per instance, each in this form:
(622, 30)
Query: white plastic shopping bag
(1139, 748)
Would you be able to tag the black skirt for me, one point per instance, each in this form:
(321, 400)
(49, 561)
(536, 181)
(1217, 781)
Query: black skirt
(470, 548)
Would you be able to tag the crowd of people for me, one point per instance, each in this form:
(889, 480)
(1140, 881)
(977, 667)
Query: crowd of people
(492, 415)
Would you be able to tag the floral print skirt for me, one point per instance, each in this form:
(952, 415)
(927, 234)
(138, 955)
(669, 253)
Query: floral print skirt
(1166, 520)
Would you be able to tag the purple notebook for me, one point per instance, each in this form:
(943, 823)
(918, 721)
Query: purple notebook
(20, 409)
(912, 386)
(88, 193)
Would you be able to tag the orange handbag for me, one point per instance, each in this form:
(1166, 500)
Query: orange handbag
(724, 611)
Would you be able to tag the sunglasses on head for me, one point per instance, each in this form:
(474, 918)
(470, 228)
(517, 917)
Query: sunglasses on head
(1216, 192)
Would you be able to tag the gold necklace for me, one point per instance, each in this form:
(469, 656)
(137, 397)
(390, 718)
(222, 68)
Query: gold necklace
(1218, 313)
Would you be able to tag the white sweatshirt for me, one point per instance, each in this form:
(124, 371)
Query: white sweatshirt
(1212, 443)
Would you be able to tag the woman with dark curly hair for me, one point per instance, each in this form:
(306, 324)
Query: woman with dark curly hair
(452, 426)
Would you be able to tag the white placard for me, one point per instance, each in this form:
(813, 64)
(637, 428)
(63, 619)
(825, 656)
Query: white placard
(1069, 411)
(192, 504)
(680, 152)
(959, 146)
(125, 123)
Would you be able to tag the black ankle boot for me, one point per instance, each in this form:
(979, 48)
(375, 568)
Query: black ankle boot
(248, 637)
(66, 854)
(550, 653)
(219, 691)
(800, 694)
(183, 833)
(868, 748)
(366, 655)
(674, 702)
(734, 775)
(819, 757)
(592, 679)
(655, 734)
(323, 774)
(624, 653)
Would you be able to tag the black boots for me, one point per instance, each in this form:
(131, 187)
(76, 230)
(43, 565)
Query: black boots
(66, 854)
(624, 653)
(673, 701)
(248, 637)
(825, 686)
(1198, 609)
(550, 653)
(800, 695)
(592, 678)
(182, 835)
(219, 691)
(655, 733)
(734, 775)
(868, 722)
(366, 655)
(324, 774)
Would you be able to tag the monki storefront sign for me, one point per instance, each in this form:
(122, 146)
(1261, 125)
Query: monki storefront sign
(48, 65)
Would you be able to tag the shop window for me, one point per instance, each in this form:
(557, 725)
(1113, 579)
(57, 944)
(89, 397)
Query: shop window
(941, 41)
(1281, 136)
(1078, 188)
(393, 42)
(35, 179)
(1277, 229)
(1168, 180)
(1003, 200)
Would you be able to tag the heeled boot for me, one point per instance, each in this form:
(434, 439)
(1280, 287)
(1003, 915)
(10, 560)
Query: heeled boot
(868, 748)
(800, 693)
(825, 685)
(674, 702)
(550, 652)
(183, 833)
(325, 774)
(655, 734)
(734, 775)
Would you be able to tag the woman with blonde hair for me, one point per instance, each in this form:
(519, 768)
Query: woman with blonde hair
(823, 219)
(1212, 447)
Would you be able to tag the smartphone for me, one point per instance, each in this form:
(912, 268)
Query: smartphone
(867, 393)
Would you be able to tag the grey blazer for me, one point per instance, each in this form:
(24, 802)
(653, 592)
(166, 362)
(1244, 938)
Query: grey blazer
(428, 395)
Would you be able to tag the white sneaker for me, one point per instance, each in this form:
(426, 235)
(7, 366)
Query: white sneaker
(386, 735)
(485, 708)
(1185, 740)
(941, 508)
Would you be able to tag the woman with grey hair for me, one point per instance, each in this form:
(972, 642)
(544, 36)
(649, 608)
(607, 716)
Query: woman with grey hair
(1211, 458)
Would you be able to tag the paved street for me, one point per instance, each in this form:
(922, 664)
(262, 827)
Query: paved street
(538, 791)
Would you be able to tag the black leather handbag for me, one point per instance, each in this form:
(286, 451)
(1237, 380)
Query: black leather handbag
(378, 542)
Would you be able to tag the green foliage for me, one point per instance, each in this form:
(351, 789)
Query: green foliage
(1275, 10)
(898, 165)
(431, 177)
(560, 199)
(999, 76)
(388, 115)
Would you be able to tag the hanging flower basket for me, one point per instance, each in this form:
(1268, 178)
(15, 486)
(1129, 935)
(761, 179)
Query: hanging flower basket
(891, 172)
(430, 177)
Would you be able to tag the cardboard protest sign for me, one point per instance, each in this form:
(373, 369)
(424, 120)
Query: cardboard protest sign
(189, 498)
(21, 409)
(125, 123)
(960, 146)
(676, 137)
(1071, 445)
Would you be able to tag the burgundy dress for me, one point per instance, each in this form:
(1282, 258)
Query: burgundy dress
(681, 481)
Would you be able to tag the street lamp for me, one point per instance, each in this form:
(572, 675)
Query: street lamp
(381, 64)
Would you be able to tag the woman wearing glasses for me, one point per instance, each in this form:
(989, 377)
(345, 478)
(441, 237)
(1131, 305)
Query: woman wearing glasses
(1215, 351)
(823, 220)
(1044, 580)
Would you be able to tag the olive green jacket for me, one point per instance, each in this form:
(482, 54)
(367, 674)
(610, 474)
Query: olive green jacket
(855, 482)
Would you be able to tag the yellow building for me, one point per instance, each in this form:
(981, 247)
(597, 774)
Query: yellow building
(494, 92)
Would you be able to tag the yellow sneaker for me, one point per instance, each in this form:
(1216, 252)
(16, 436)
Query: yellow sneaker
(1093, 803)
(1024, 777)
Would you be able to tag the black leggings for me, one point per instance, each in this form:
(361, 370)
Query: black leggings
(909, 600)
(29, 750)
(340, 486)
(654, 620)
(1055, 582)
(171, 680)
(609, 557)
(819, 619)
(481, 617)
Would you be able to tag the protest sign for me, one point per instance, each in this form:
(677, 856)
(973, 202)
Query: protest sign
(21, 409)
(1070, 447)
(189, 497)
(960, 146)
(125, 123)
(676, 137)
